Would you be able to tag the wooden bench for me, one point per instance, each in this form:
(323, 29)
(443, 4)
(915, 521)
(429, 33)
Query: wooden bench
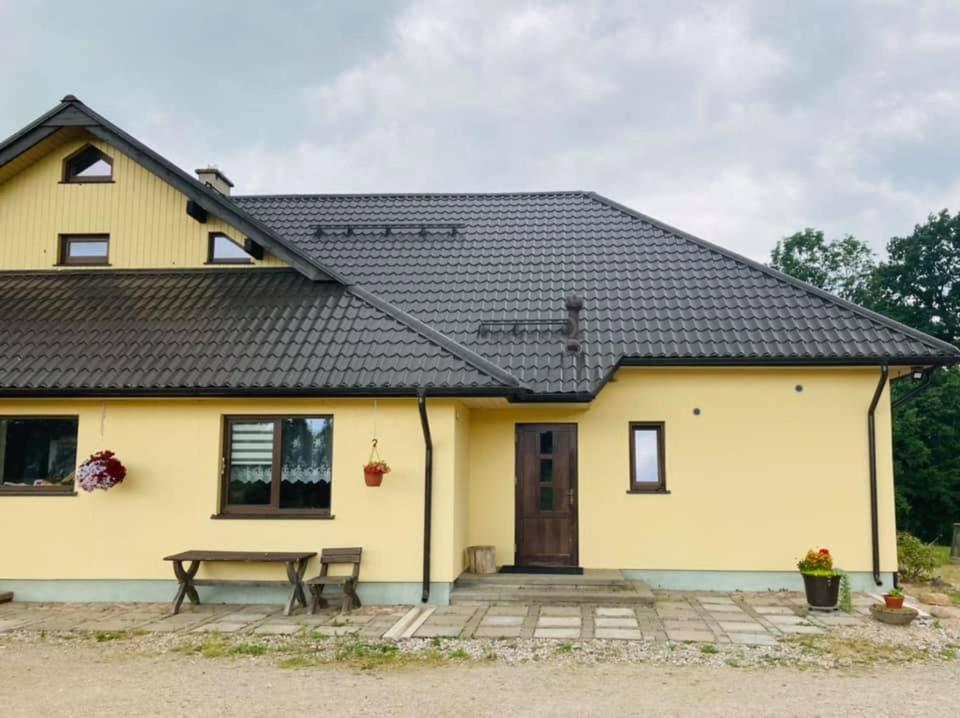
(348, 584)
(296, 563)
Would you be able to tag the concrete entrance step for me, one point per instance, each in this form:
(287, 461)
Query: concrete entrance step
(606, 588)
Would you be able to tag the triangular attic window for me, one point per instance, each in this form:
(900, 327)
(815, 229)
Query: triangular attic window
(88, 165)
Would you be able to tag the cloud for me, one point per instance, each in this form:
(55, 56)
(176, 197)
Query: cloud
(710, 118)
(736, 121)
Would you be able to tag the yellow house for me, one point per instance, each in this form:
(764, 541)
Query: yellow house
(554, 375)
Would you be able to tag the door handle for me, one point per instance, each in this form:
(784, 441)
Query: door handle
(570, 496)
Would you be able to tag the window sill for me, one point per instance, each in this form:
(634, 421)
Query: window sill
(276, 516)
(27, 491)
(648, 491)
(80, 265)
(88, 181)
(228, 263)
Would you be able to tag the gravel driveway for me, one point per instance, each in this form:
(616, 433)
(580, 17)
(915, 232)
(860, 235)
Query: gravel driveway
(93, 680)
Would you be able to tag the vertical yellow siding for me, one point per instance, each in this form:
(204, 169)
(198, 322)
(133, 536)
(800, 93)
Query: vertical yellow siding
(144, 216)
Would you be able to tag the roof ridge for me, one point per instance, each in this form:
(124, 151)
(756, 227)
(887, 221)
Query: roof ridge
(771, 272)
(425, 330)
(343, 195)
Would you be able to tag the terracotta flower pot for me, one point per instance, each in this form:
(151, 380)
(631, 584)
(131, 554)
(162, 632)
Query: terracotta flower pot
(893, 601)
(372, 477)
(822, 591)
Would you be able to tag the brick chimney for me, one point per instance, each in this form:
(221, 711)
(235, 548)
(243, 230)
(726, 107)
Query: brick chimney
(213, 177)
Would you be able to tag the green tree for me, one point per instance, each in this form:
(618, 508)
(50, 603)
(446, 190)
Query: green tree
(918, 285)
(841, 266)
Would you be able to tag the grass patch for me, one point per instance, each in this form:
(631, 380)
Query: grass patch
(858, 651)
(565, 648)
(217, 646)
(107, 636)
(709, 649)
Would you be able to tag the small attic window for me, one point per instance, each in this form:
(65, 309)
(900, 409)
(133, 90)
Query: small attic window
(224, 250)
(88, 165)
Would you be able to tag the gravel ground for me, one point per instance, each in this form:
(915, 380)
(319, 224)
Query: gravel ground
(83, 678)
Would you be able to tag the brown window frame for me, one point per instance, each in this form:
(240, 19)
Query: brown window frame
(24, 490)
(273, 510)
(645, 487)
(67, 178)
(63, 254)
(211, 239)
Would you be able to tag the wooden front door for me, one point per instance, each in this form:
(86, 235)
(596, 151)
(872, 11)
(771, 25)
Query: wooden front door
(546, 495)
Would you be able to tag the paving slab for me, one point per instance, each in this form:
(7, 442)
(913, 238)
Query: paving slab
(722, 608)
(553, 632)
(559, 622)
(244, 617)
(277, 629)
(614, 612)
(684, 625)
(489, 620)
(497, 632)
(109, 624)
(601, 622)
(688, 636)
(620, 634)
(774, 610)
(741, 627)
(560, 611)
(429, 630)
(508, 610)
(716, 600)
(449, 619)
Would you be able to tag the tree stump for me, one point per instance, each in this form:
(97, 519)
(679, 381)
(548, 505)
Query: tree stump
(482, 560)
(955, 548)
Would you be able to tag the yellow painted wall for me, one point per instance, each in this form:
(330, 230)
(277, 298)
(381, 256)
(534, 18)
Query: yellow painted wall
(760, 476)
(144, 216)
(172, 452)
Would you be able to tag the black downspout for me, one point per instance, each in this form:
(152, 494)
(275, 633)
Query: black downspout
(427, 490)
(872, 440)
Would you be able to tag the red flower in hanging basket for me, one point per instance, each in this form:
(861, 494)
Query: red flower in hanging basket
(373, 472)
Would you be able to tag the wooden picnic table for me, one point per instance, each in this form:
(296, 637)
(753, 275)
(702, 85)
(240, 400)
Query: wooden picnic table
(295, 562)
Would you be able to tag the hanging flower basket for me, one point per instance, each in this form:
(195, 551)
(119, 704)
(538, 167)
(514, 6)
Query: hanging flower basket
(102, 470)
(375, 467)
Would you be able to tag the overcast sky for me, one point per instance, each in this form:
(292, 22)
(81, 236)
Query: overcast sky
(740, 122)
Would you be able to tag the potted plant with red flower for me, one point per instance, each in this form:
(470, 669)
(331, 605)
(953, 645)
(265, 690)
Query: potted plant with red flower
(375, 467)
(373, 472)
(102, 470)
(821, 580)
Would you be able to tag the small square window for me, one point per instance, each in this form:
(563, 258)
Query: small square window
(224, 250)
(38, 454)
(88, 165)
(647, 457)
(84, 249)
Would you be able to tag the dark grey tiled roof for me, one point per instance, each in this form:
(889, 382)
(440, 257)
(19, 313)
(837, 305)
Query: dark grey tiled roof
(251, 331)
(650, 292)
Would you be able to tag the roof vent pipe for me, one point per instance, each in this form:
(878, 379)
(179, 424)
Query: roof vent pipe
(213, 177)
(574, 305)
